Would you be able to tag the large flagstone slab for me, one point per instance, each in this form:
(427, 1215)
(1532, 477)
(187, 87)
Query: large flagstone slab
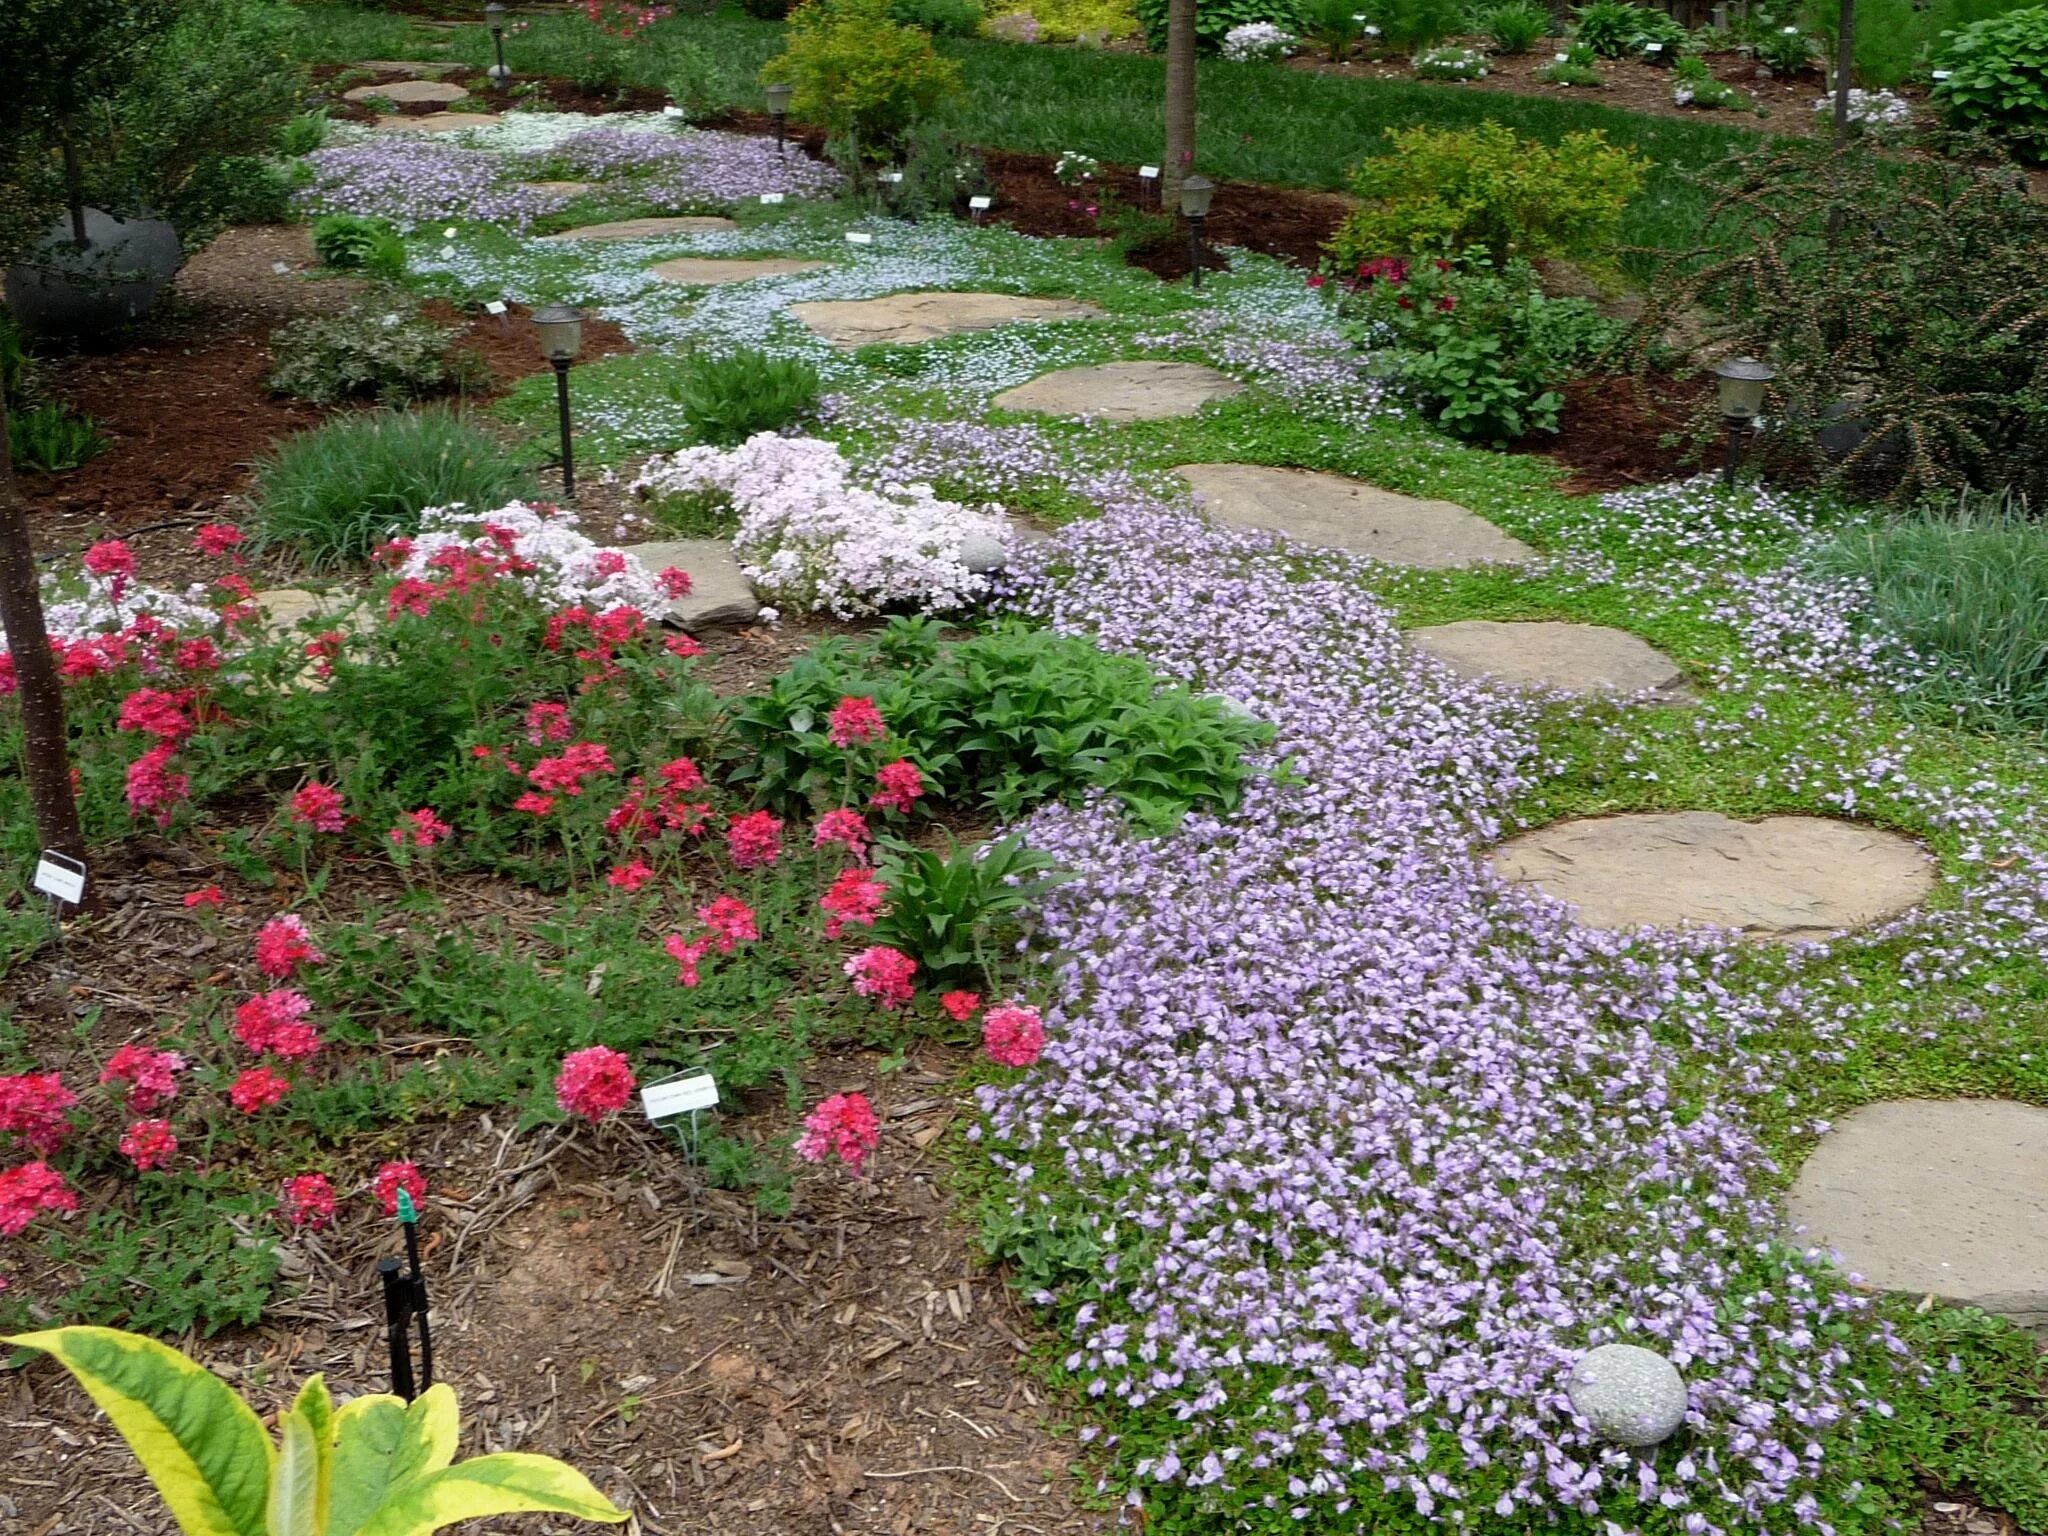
(1781, 878)
(1577, 658)
(710, 271)
(912, 317)
(1945, 1197)
(1335, 512)
(436, 122)
(637, 229)
(407, 92)
(1122, 391)
(720, 594)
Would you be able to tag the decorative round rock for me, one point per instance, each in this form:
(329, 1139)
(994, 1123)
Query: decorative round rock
(711, 271)
(1122, 391)
(911, 317)
(1578, 658)
(636, 229)
(1630, 1395)
(1333, 512)
(1785, 877)
(1941, 1196)
(406, 92)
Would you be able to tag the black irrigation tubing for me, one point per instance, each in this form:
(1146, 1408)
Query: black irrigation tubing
(128, 533)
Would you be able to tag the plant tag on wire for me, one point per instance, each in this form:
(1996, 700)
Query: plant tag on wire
(981, 204)
(1148, 173)
(60, 877)
(495, 307)
(771, 198)
(281, 268)
(681, 1094)
(859, 237)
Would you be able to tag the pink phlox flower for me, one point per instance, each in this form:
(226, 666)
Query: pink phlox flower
(151, 1076)
(754, 839)
(855, 897)
(687, 954)
(731, 922)
(27, 1191)
(855, 721)
(318, 806)
(846, 828)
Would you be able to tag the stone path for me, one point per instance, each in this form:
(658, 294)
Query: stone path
(285, 608)
(911, 317)
(435, 122)
(634, 229)
(1948, 1197)
(1578, 658)
(1338, 513)
(720, 594)
(710, 271)
(1122, 391)
(1785, 877)
(406, 92)
(564, 188)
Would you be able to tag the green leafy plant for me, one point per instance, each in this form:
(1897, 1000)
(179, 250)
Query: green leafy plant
(1515, 26)
(351, 242)
(1784, 50)
(1416, 24)
(1446, 192)
(374, 1467)
(729, 397)
(945, 908)
(1574, 66)
(382, 347)
(1215, 18)
(1448, 62)
(333, 493)
(1332, 25)
(1694, 85)
(1617, 29)
(866, 79)
(303, 134)
(1998, 79)
(941, 18)
(51, 438)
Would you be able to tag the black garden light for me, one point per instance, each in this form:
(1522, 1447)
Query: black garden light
(1741, 382)
(777, 97)
(1196, 193)
(494, 18)
(561, 338)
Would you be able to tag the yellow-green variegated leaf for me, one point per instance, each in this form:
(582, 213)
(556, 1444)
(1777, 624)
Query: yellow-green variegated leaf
(505, 1484)
(380, 1445)
(200, 1443)
(316, 1407)
(295, 1480)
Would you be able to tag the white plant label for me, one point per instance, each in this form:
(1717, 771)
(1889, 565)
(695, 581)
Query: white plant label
(1148, 173)
(981, 204)
(1653, 47)
(892, 176)
(672, 112)
(771, 197)
(60, 876)
(281, 268)
(859, 237)
(679, 1095)
(495, 307)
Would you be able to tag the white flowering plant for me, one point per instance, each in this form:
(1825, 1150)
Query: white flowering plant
(1072, 168)
(557, 564)
(1872, 109)
(1257, 41)
(1450, 63)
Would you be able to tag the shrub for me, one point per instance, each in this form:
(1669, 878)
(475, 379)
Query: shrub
(1449, 191)
(382, 347)
(1694, 85)
(1998, 79)
(1332, 25)
(727, 399)
(1574, 66)
(332, 494)
(51, 439)
(1257, 42)
(1516, 26)
(1615, 29)
(303, 134)
(1415, 24)
(351, 242)
(941, 18)
(1216, 19)
(860, 75)
(1063, 21)
(1784, 50)
(1900, 300)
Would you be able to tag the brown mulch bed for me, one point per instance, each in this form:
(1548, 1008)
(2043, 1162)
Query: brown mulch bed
(1610, 430)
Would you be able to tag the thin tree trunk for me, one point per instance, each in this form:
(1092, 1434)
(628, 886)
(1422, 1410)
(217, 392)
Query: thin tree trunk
(40, 694)
(1180, 100)
(74, 190)
(1845, 63)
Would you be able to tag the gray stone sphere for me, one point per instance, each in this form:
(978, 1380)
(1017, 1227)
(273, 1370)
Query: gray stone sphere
(982, 554)
(1630, 1395)
(59, 290)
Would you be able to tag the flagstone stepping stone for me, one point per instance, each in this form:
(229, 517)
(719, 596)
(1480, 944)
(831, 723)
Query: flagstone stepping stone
(710, 271)
(634, 229)
(1122, 391)
(1785, 877)
(435, 122)
(285, 608)
(559, 188)
(1948, 1197)
(720, 594)
(910, 317)
(1338, 513)
(1579, 658)
(406, 92)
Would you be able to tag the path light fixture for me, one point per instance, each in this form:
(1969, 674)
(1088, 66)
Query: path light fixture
(494, 17)
(561, 338)
(1196, 192)
(778, 108)
(1741, 382)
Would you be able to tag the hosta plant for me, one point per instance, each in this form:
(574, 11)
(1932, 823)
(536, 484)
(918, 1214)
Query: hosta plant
(372, 1467)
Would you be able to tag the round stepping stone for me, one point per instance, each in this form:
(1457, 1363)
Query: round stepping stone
(720, 593)
(633, 229)
(1941, 1196)
(558, 188)
(710, 271)
(436, 122)
(1122, 391)
(405, 92)
(1578, 658)
(1336, 513)
(1785, 877)
(909, 317)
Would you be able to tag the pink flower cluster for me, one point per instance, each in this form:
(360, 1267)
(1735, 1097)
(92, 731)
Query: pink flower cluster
(594, 1082)
(274, 1023)
(844, 1126)
(883, 974)
(151, 1076)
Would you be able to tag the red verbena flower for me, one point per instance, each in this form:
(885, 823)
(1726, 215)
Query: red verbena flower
(421, 828)
(594, 1082)
(275, 1023)
(847, 828)
(844, 1126)
(33, 1107)
(754, 839)
(152, 787)
(630, 877)
(309, 1201)
(28, 1190)
(960, 1006)
(681, 645)
(153, 712)
(199, 655)
(393, 1177)
(883, 974)
(855, 897)
(900, 785)
(565, 774)
(318, 806)
(674, 580)
(283, 945)
(1013, 1035)
(686, 953)
(257, 1088)
(149, 1144)
(679, 776)
(855, 721)
(111, 558)
(218, 539)
(731, 922)
(547, 723)
(151, 1076)
(533, 804)
(205, 896)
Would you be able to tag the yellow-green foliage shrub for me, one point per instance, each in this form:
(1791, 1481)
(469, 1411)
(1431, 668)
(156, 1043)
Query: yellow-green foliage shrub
(1061, 21)
(1445, 192)
(860, 75)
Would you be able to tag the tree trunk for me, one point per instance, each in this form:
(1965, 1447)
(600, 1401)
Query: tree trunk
(40, 694)
(1180, 100)
(1845, 63)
